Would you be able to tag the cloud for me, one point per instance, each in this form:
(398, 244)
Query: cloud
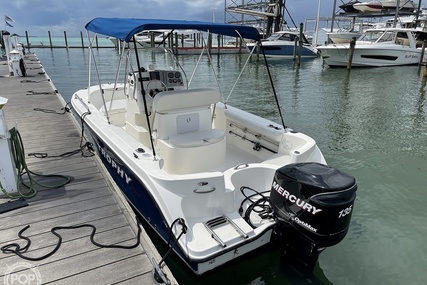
(39, 16)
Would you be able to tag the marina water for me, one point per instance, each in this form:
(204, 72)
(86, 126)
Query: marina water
(370, 123)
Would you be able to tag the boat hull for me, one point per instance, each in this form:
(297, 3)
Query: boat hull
(161, 199)
(201, 172)
(348, 7)
(366, 56)
(368, 7)
(139, 196)
(407, 6)
(285, 50)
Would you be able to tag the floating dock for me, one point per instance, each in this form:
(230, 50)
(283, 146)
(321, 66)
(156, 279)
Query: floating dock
(35, 109)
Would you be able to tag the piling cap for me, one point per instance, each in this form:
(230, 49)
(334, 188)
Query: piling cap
(3, 102)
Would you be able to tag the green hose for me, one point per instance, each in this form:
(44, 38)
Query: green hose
(18, 153)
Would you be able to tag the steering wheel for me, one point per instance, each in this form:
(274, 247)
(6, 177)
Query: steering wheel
(155, 86)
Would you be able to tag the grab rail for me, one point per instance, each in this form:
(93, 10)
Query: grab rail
(83, 103)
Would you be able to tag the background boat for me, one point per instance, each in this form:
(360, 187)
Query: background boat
(373, 6)
(404, 5)
(378, 47)
(348, 7)
(285, 44)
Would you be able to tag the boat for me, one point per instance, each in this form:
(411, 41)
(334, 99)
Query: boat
(284, 44)
(349, 32)
(214, 182)
(159, 37)
(373, 6)
(348, 7)
(388, 5)
(343, 36)
(378, 47)
(151, 38)
(404, 5)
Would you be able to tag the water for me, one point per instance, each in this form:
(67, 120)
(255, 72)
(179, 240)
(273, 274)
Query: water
(370, 123)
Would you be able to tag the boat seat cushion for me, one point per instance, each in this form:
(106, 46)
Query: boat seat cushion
(173, 101)
(196, 139)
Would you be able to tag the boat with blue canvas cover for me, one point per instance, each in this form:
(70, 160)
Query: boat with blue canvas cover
(213, 181)
(283, 44)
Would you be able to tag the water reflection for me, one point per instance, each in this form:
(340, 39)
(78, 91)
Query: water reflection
(370, 123)
(419, 118)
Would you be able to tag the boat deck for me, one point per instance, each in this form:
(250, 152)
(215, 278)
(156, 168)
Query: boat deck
(90, 198)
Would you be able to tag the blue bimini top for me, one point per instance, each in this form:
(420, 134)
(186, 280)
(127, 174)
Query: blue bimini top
(125, 28)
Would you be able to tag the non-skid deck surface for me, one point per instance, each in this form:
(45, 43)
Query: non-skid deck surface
(89, 198)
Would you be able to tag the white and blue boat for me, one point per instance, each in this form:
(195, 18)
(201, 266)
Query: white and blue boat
(284, 44)
(213, 181)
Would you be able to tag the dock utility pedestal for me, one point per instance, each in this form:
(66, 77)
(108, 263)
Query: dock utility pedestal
(7, 165)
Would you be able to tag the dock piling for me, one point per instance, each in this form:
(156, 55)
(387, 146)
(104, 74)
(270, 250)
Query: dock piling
(50, 39)
(300, 42)
(218, 40)
(422, 59)
(65, 38)
(350, 59)
(294, 56)
(81, 38)
(28, 40)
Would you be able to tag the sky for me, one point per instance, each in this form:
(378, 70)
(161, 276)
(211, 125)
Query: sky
(37, 17)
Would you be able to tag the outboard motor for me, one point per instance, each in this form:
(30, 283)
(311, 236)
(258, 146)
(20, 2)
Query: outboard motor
(313, 203)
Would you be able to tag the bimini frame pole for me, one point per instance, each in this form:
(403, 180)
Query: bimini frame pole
(91, 56)
(143, 96)
(269, 76)
(272, 86)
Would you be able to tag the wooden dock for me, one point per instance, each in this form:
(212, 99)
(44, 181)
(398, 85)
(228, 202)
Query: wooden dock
(89, 198)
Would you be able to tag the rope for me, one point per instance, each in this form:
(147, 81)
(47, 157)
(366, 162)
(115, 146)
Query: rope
(83, 138)
(65, 109)
(31, 92)
(87, 145)
(261, 206)
(84, 143)
(16, 248)
(183, 231)
(18, 154)
(33, 81)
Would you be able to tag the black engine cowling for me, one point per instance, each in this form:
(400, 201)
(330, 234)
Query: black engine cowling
(313, 203)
